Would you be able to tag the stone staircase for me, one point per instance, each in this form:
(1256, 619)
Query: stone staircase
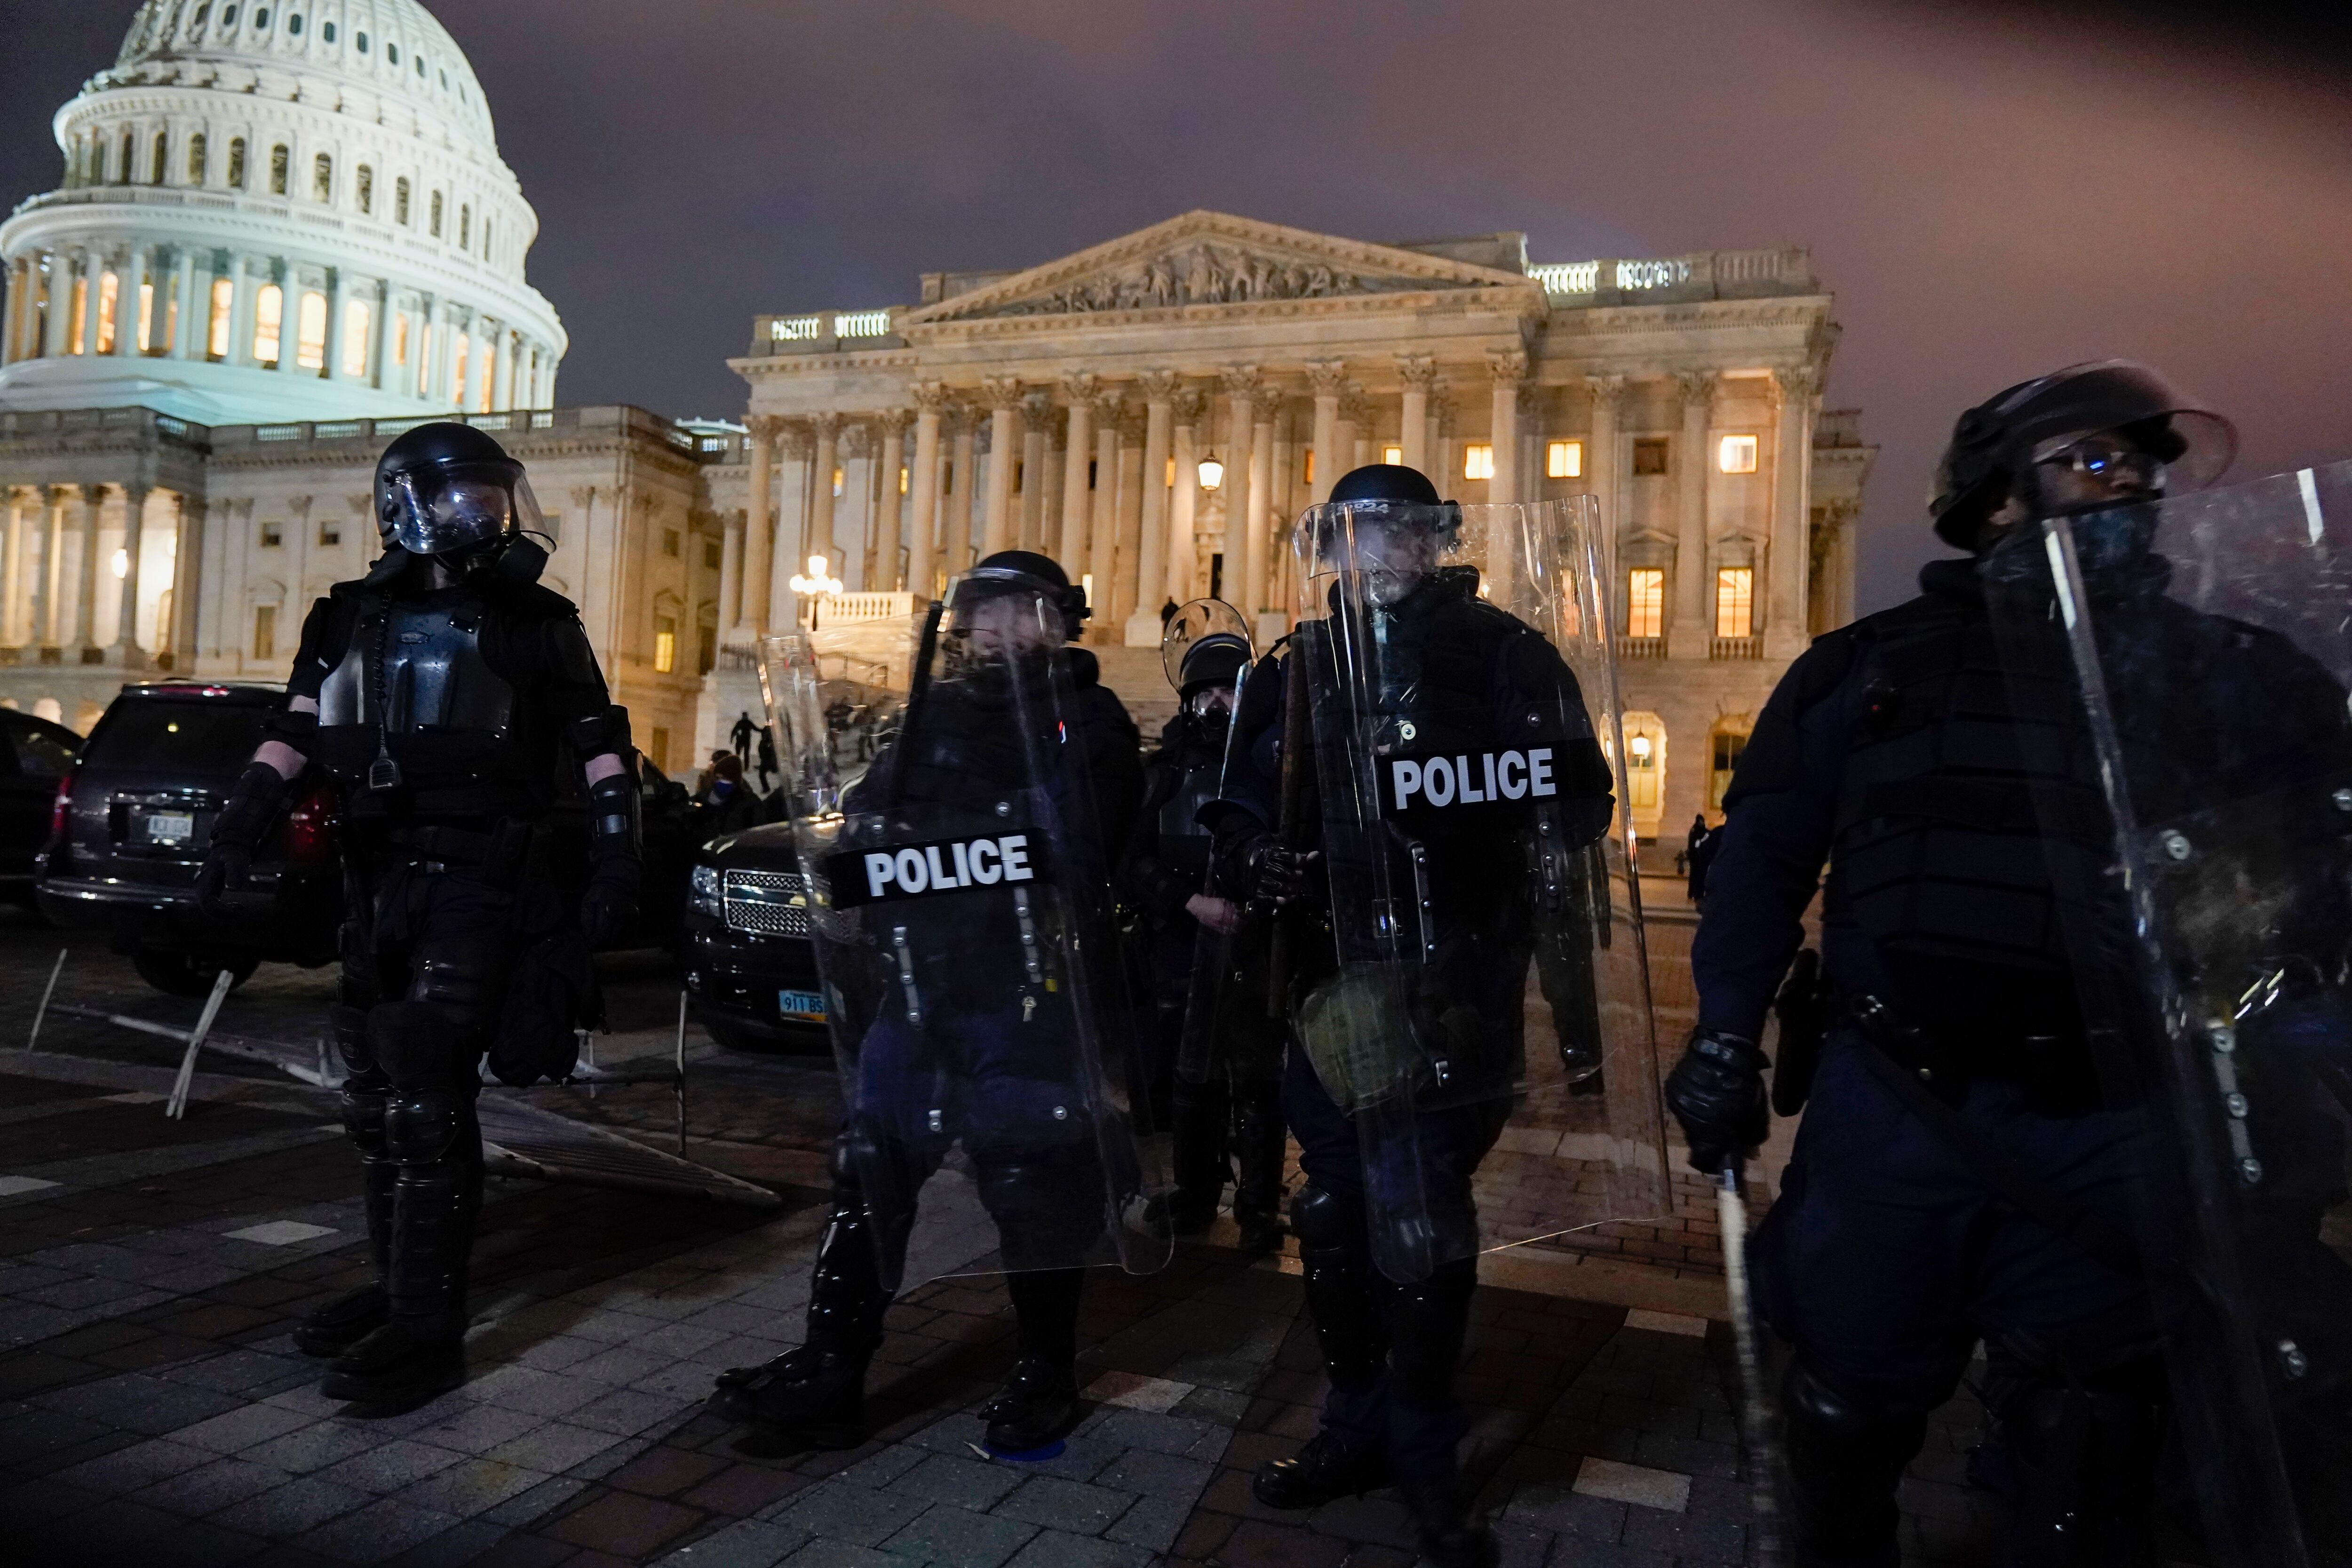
(1135, 674)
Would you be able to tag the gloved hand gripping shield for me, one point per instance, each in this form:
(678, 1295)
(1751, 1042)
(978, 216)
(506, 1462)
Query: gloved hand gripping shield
(2201, 650)
(1464, 721)
(957, 896)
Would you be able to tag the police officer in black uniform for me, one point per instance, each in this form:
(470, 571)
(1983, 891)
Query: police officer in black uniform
(958, 750)
(1391, 1350)
(1234, 1114)
(1962, 1171)
(453, 700)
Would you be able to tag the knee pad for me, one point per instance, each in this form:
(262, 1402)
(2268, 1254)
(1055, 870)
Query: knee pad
(1847, 1448)
(348, 1026)
(848, 1148)
(415, 1043)
(363, 1116)
(420, 1125)
(469, 990)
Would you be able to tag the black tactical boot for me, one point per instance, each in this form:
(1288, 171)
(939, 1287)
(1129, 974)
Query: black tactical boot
(815, 1395)
(1038, 1403)
(330, 1330)
(1263, 1145)
(421, 1350)
(406, 1361)
(1201, 1112)
(1451, 1536)
(1327, 1468)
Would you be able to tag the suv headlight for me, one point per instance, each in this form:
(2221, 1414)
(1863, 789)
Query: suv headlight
(705, 897)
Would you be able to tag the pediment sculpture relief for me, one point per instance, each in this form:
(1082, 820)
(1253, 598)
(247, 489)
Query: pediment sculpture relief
(1207, 275)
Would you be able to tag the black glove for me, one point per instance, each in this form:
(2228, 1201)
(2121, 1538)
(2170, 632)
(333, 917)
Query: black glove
(609, 906)
(1282, 876)
(1716, 1092)
(245, 819)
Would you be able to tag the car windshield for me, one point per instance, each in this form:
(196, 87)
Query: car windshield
(42, 752)
(204, 737)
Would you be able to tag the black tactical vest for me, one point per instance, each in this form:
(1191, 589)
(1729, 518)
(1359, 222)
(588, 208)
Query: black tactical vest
(413, 683)
(1183, 843)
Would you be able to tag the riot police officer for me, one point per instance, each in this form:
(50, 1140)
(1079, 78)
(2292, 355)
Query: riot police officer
(953, 1017)
(1203, 955)
(452, 698)
(1390, 1259)
(1962, 1171)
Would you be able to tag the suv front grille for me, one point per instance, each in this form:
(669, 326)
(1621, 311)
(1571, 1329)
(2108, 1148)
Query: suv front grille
(770, 903)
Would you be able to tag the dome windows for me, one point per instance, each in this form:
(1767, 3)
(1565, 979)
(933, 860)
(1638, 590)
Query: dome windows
(294, 27)
(280, 163)
(261, 20)
(360, 39)
(390, 52)
(162, 165)
(326, 32)
(122, 170)
(197, 20)
(196, 159)
(400, 201)
(365, 190)
(322, 178)
(237, 163)
(228, 16)
(465, 227)
(436, 214)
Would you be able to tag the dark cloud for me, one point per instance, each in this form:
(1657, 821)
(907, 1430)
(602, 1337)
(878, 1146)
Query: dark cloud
(1991, 189)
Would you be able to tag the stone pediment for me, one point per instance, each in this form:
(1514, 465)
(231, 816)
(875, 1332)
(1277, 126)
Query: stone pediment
(1214, 259)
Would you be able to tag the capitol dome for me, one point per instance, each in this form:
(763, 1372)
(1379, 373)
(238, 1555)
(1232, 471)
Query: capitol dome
(277, 210)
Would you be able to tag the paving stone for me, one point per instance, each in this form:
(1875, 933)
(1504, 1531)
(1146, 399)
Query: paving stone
(553, 1447)
(1156, 1474)
(462, 1543)
(1162, 1433)
(1694, 1541)
(390, 1467)
(625, 1524)
(301, 1504)
(844, 1511)
(128, 1470)
(541, 1500)
(315, 1447)
(1054, 1549)
(951, 1537)
(748, 1544)
(139, 1402)
(210, 1488)
(967, 1483)
(470, 1487)
(1071, 1507)
(35, 1501)
(1636, 1484)
(537, 1393)
(383, 1530)
(473, 1428)
(626, 1412)
(1588, 1518)
(825, 1554)
(1151, 1523)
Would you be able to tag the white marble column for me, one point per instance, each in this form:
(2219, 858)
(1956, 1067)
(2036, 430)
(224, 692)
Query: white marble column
(84, 613)
(827, 428)
(1509, 367)
(192, 290)
(12, 328)
(1790, 561)
(1184, 563)
(963, 468)
(1076, 504)
(1329, 377)
(888, 448)
(759, 527)
(125, 650)
(1036, 417)
(1152, 546)
(1245, 556)
(49, 623)
(93, 270)
(13, 502)
(1002, 395)
(59, 329)
(1687, 637)
(1258, 514)
(1127, 567)
(129, 279)
(1102, 528)
(242, 292)
(731, 573)
(1608, 394)
(179, 637)
(922, 518)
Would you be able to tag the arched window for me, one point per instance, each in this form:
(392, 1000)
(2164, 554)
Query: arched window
(486, 239)
(310, 336)
(365, 190)
(216, 329)
(228, 17)
(198, 19)
(280, 162)
(268, 317)
(361, 39)
(466, 226)
(261, 18)
(391, 53)
(400, 201)
(156, 170)
(322, 178)
(326, 32)
(359, 329)
(122, 170)
(196, 159)
(436, 214)
(237, 163)
(294, 26)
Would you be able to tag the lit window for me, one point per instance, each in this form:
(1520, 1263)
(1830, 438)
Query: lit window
(273, 535)
(269, 316)
(279, 160)
(399, 200)
(1564, 459)
(1168, 483)
(217, 330)
(1728, 749)
(1650, 454)
(458, 380)
(1641, 771)
(322, 178)
(109, 287)
(400, 338)
(81, 316)
(264, 631)
(902, 479)
(1308, 478)
(365, 189)
(1646, 602)
(358, 322)
(436, 224)
(1479, 462)
(1393, 455)
(310, 341)
(1736, 454)
(146, 338)
(196, 159)
(840, 480)
(1735, 601)
(665, 645)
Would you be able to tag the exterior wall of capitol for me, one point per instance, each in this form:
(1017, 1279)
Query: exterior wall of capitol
(1034, 408)
(277, 212)
(237, 529)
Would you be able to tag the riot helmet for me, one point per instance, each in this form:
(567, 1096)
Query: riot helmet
(1383, 525)
(1204, 647)
(1009, 611)
(447, 490)
(2097, 418)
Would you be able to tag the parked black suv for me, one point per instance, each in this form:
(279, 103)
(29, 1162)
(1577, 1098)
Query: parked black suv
(749, 965)
(35, 757)
(132, 822)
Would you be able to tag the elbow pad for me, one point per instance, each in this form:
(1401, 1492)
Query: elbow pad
(599, 733)
(616, 821)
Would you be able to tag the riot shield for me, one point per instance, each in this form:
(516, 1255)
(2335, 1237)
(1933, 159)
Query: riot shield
(1210, 994)
(1463, 716)
(2201, 647)
(958, 887)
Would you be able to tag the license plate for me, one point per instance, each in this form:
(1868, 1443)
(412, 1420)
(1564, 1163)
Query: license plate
(169, 826)
(800, 1006)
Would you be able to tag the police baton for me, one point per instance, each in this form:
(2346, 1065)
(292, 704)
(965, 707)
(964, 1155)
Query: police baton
(1757, 1429)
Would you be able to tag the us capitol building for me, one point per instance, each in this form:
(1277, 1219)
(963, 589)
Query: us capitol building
(284, 234)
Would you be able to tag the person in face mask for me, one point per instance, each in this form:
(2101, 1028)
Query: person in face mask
(1233, 1112)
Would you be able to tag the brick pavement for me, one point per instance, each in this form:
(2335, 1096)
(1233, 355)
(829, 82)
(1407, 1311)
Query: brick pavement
(151, 1410)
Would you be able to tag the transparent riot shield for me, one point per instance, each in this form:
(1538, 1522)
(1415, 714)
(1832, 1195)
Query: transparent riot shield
(1218, 970)
(958, 888)
(1462, 712)
(2201, 647)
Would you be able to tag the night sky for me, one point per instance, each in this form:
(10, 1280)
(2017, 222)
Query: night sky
(1991, 189)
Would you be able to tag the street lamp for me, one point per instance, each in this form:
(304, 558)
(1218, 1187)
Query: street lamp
(816, 587)
(1212, 472)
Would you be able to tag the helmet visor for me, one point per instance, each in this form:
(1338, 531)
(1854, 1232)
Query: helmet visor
(457, 507)
(1197, 623)
(1376, 551)
(2187, 449)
